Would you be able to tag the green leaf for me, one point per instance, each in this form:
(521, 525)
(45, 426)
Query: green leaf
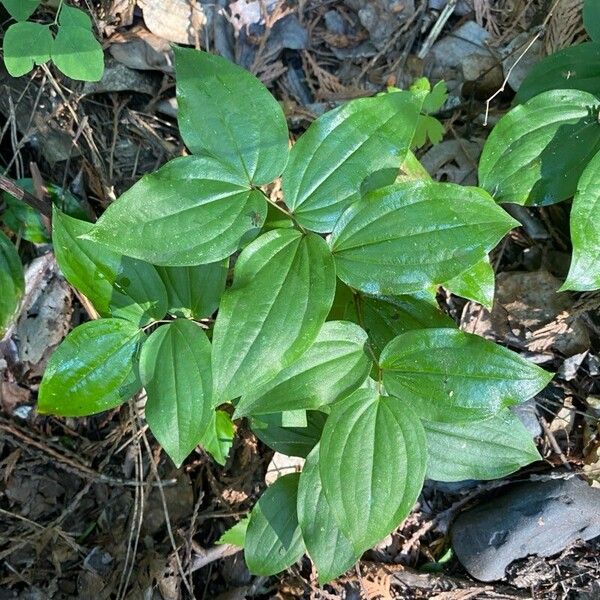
(488, 449)
(584, 274)
(328, 547)
(429, 129)
(372, 465)
(227, 113)
(27, 222)
(591, 18)
(194, 292)
(335, 365)
(448, 375)
(77, 53)
(385, 318)
(192, 211)
(282, 291)
(273, 540)
(436, 99)
(92, 370)
(293, 441)
(175, 370)
(26, 45)
(21, 10)
(330, 162)
(236, 535)
(217, 439)
(476, 283)
(573, 68)
(75, 17)
(537, 152)
(116, 285)
(12, 282)
(411, 235)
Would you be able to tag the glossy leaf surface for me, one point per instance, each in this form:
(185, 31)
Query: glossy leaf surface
(448, 375)
(411, 235)
(191, 211)
(293, 441)
(335, 365)
(584, 274)
(92, 370)
(12, 283)
(573, 68)
(194, 292)
(537, 152)
(330, 162)
(476, 283)
(385, 318)
(116, 285)
(273, 540)
(25, 45)
(328, 547)
(227, 113)
(372, 465)
(282, 291)
(217, 439)
(175, 370)
(480, 450)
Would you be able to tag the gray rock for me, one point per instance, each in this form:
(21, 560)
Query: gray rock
(534, 517)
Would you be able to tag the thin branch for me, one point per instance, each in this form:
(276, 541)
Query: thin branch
(8, 185)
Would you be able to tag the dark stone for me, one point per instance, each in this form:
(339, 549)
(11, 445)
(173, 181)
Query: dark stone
(534, 517)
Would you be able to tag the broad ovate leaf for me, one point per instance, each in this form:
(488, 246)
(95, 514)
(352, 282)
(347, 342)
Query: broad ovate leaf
(117, 286)
(448, 375)
(411, 235)
(341, 150)
(20, 10)
(77, 53)
(537, 152)
(226, 113)
(487, 449)
(192, 211)
(335, 365)
(387, 317)
(175, 370)
(584, 274)
(282, 290)
(194, 292)
(12, 282)
(372, 465)
(72, 16)
(573, 68)
(327, 546)
(26, 45)
(476, 283)
(273, 540)
(290, 440)
(92, 370)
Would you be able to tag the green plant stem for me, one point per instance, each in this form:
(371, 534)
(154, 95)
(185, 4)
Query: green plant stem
(60, 5)
(284, 211)
(359, 314)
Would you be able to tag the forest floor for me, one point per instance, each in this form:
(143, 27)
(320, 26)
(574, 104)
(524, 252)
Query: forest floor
(90, 508)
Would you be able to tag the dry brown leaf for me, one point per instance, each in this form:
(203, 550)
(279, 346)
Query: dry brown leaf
(177, 21)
